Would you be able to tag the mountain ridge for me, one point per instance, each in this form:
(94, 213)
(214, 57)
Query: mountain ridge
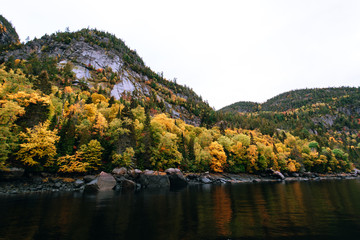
(90, 50)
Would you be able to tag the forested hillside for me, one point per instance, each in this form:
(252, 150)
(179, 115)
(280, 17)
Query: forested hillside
(77, 102)
(329, 116)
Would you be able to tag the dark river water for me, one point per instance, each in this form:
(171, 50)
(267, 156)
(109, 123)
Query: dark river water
(297, 210)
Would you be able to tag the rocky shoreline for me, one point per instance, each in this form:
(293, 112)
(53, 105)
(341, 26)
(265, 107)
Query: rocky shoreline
(123, 180)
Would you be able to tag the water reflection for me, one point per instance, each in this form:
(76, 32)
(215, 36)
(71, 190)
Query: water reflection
(222, 210)
(298, 210)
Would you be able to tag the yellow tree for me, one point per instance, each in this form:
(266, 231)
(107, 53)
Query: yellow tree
(252, 157)
(202, 159)
(218, 157)
(166, 154)
(38, 148)
(91, 153)
(72, 164)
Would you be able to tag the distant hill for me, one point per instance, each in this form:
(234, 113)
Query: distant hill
(242, 107)
(300, 98)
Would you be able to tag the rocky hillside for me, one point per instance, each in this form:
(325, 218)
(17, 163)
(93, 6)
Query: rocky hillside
(101, 60)
(8, 35)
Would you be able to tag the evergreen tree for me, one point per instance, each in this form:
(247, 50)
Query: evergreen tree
(67, 138)
(147, 141)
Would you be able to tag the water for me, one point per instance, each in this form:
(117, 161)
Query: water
(298, 210)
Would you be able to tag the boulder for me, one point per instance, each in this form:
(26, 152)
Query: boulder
(89, 178)
(274, 174)
(134, 173)
(278, 175)
(193, 176)
(356, 171)
(128, 185)
(11, 173)
(172, 171)
(176, 178)
(78, 183)
(205, 180)
(148, 172)
(119, 171)
(293, 174)
(119, 178)
(152, 180)
(309, 175)
(92, 186)
(221, 181)
(105, 182)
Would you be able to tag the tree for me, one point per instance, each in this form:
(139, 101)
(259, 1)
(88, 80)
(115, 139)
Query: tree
(43, 82)
(38, 148)
(165, 154)
(72, 164)
(9, 112)
(218, 157)
(91, 154)
(146, 142)
(125, 159)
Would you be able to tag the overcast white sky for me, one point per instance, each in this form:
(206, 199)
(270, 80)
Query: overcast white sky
(227, 51)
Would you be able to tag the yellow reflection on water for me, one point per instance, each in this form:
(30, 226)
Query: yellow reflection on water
(222, 211)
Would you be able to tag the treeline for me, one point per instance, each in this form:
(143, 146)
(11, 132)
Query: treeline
(72, 128)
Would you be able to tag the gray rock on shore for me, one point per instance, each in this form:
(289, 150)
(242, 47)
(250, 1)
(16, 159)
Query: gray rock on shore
(176, 178)
(278, 175)
(105, 182)
(89, 178)
(119, 171)
(151, 179)
(128, 185)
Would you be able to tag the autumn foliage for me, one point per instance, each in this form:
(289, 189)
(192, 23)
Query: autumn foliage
(76, 129)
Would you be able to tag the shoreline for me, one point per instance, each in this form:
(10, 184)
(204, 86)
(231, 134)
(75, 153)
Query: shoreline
(135, 180)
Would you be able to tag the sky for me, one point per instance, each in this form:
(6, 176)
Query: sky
(226, 51)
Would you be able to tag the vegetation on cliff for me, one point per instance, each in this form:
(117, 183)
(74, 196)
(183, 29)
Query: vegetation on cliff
(8, 36)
